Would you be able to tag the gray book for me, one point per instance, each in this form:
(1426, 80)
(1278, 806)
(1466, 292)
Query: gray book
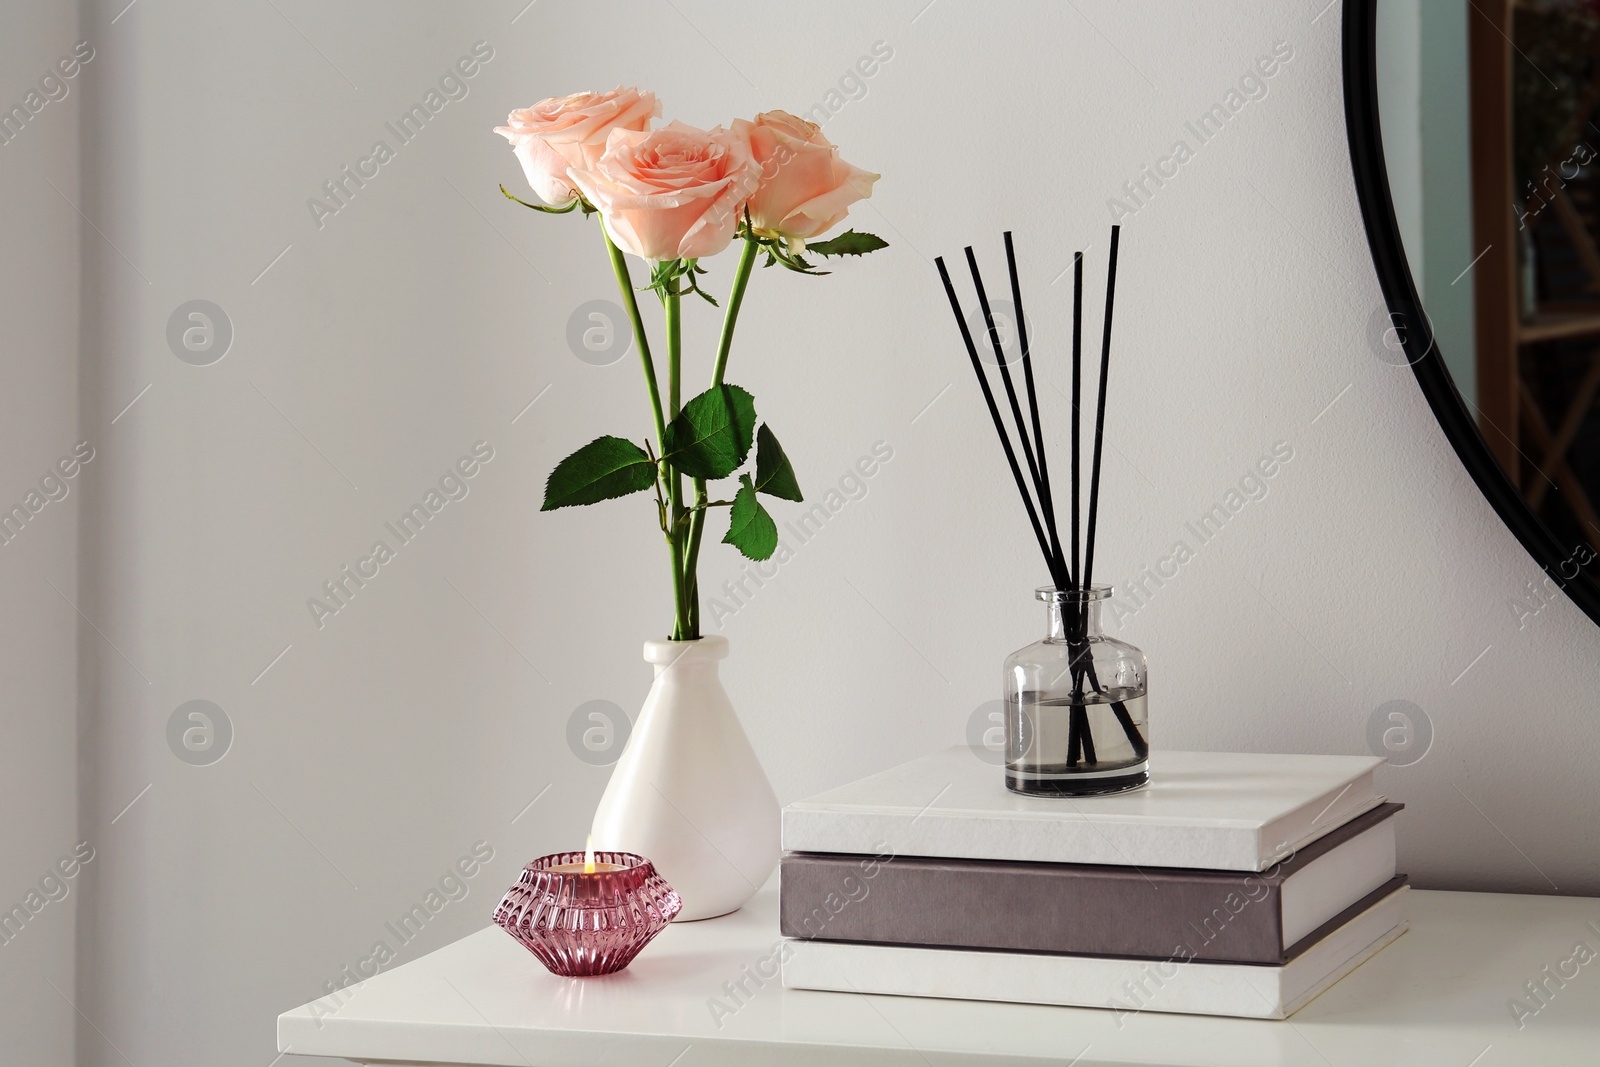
(1265, 917)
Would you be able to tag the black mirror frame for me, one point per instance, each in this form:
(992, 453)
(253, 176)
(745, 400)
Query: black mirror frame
(1581, 583)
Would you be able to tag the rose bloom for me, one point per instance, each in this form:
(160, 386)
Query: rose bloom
(571, 131)
(672, 193)
(805, 187)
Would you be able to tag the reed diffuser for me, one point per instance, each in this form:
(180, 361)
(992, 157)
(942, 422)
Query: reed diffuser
(1076, 714)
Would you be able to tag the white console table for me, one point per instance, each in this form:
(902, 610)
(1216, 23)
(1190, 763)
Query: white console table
(1437, 996)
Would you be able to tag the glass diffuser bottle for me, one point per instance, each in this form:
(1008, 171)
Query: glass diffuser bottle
(1076, 705)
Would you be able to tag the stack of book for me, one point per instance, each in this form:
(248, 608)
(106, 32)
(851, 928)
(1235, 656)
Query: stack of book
(1234, 884)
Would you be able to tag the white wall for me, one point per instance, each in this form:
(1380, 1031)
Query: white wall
(39, 640)
(425, 315)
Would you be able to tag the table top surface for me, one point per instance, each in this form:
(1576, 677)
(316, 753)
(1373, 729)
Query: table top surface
(1443, 995)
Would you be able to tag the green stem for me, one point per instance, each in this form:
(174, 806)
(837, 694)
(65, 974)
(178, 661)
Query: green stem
(619, 265)
(741, 280)
(682, 576)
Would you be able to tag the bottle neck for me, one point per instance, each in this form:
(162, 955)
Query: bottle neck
(1069, 619)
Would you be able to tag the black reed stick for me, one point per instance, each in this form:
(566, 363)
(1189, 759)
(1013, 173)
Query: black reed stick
(1077, 398)
(999, 425)
(1079, 608)
(1048, 500)
(1118, 708)
(1141, 748)
(1100, 414)
(1080, 713)
(1040, 487)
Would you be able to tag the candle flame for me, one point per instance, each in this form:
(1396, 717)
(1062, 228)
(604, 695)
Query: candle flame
(588, 855)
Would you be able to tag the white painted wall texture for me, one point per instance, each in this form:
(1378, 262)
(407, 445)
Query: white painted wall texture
(424, 725)
(39, 279)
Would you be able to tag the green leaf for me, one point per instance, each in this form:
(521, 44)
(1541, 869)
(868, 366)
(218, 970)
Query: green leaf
(750, 529)
(711, 435)
(570, 204)
(778, 252)
(694, 286)
(664, 273)
(774, 476)
(604, 468)
(848, 243)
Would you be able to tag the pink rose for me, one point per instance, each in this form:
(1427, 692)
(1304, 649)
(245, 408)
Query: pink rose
(805, 187)
(571, 131)
(672, 193)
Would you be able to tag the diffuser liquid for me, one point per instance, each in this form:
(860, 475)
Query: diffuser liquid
(1058, 745)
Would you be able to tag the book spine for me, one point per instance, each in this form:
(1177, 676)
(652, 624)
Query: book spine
(934, 833)
(1127, 986)
(1093, 911)
(1088, 982)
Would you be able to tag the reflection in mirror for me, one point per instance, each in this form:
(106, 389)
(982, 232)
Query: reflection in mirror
(1490, 116)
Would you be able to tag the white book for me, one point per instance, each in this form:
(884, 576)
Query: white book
(1228, 811)
(1251, 991)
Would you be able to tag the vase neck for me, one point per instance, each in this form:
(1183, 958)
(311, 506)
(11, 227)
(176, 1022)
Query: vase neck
(1073, 614)
(698, 655)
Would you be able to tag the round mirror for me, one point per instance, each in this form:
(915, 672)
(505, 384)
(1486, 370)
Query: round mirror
(1475, 138)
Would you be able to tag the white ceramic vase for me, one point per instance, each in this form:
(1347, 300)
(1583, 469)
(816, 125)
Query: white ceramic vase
(688, 793)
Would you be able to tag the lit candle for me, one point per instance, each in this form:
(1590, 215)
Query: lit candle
(589, 865)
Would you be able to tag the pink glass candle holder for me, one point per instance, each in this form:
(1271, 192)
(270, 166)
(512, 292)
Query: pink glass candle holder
(581, 924)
